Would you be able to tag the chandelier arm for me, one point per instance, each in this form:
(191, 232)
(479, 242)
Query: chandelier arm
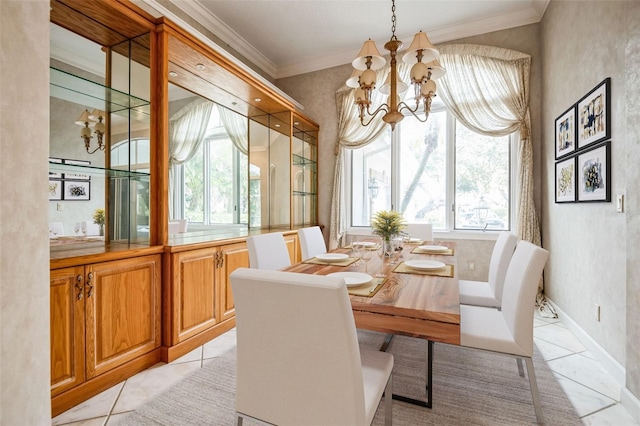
(381, 108)
(403, 106)
(97, 148)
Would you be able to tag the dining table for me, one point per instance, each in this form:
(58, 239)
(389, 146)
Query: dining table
(413, 292)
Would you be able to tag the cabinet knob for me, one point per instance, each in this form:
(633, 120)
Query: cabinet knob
(79, 287)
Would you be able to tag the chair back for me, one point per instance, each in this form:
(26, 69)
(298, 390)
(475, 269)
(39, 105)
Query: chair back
(311, 242)
(500, 257)
(520, 290)
(424, 231)
(178, 226)
(298, 355)
(268, 251)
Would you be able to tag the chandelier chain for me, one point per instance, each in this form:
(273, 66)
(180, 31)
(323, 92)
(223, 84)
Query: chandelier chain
(393, 20)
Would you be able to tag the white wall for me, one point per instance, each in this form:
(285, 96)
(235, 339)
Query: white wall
(24, 247)
(586, 240)
(594, 250)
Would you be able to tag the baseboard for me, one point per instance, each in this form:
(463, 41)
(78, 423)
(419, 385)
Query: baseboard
(608, 362)
(627, 399)
(630, 403)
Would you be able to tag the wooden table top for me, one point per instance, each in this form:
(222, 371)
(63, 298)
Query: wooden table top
(417, 305)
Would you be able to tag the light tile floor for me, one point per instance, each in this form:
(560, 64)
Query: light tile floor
(592, 391)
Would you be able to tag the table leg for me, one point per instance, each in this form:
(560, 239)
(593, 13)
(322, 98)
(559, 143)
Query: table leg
(428, 378)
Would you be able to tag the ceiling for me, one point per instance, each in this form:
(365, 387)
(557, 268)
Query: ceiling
(290, 37)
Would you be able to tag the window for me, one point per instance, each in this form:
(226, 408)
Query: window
(437, 172)
(213, 182)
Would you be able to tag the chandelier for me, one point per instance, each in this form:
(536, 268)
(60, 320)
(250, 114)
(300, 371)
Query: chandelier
(426, 68)
(87, 118)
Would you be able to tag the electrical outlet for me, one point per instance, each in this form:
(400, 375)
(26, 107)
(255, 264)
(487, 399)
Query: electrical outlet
(60, 207)
(471, 265)
(597, 311)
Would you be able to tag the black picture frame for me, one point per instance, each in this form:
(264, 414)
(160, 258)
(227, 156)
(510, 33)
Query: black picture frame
(77, 176)
(593, 173)
(565, 133)
(53, 175)
(594, 115)
(566, 182)
(56, 189)
(77, 190)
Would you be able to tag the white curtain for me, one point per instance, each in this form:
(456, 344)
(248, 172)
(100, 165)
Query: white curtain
(487, 89)
(187, 129)
(237, 127)
(352, 134)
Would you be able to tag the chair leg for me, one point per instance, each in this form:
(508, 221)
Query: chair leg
(537, 406)
(388, 402)
(520, 367)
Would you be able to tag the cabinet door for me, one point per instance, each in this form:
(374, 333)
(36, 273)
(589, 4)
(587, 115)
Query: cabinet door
(193, 297)
(67, 328)
(234, 256)
(123, 311)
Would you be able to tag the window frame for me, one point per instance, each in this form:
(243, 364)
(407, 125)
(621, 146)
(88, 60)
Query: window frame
(450, 232)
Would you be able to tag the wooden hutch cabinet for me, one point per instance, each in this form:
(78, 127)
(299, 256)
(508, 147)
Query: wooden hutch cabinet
(136, 294)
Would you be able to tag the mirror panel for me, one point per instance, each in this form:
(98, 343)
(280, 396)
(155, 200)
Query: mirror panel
(83, 178)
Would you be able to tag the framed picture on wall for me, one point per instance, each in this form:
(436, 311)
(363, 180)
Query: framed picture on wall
(55, 190)
(77, 190)
(77, 175)
(594, 115)
(594, 173)
(566, 180)
(54, 175)
(566, 133)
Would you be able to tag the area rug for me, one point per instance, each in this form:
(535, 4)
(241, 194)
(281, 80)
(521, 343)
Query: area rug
(470, 387)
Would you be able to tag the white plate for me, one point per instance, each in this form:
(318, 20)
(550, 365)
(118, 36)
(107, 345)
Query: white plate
(364, 244)
(434, 248)
(332, 257)
(415, 240)
(352, 279)
(425, 265)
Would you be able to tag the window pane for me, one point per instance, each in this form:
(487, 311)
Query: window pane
(482, 181)
(221, 178)
(194, 187)
(371, 179)
(422, 170)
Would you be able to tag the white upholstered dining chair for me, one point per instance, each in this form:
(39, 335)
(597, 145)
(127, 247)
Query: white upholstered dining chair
(299, 362)
(489, 293)
(424, 231)
(510, 330)
(311, 242)
(268, 251)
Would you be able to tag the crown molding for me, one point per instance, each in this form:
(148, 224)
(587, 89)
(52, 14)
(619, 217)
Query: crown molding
(163, 11)
(531, 15)
(227, 35)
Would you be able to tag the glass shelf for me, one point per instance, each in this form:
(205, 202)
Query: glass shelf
(87, 170)
(302, 161)
(85, 92)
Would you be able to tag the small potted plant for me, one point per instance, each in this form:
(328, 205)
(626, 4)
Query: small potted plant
(98, 219)
(387, 224)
